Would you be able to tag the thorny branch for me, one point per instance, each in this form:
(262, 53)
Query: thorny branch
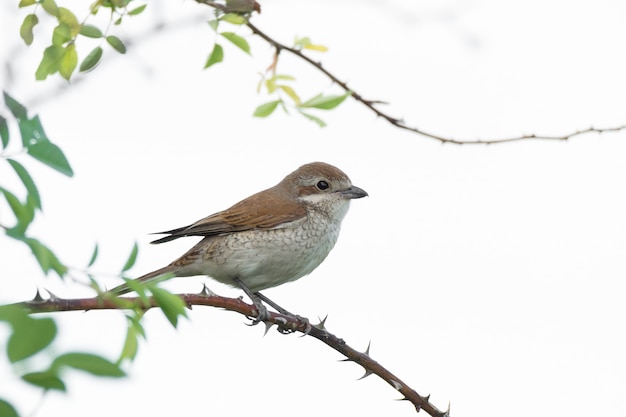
(398, 122)
(285, 324)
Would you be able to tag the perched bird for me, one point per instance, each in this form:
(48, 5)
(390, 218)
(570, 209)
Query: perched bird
(272, 237)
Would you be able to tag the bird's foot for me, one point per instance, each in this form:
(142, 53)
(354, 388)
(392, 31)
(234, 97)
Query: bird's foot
(286, 327)
(261, 312)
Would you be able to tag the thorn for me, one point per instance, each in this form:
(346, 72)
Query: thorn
(426, 398)
(365, 375)
(322, 324)
(53, 297)
(447, 413)
(268, 326)
(402, 399)
(367, 351)
(398, 386)
(38, 298)
(206, 291)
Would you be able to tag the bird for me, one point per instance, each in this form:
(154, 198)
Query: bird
(275, 236)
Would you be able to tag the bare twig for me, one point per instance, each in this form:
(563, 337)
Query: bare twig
(400, 123)
(285, 323)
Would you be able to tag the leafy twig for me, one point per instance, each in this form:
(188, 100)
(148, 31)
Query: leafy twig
(398, 122)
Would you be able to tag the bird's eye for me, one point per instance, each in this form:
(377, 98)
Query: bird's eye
(322, 185)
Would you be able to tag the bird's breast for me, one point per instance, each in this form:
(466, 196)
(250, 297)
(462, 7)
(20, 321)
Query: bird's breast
(268, 258)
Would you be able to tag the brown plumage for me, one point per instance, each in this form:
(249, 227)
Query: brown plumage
(272, 237)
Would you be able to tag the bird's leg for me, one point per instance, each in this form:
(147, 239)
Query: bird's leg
(273, 304)
(257, 301)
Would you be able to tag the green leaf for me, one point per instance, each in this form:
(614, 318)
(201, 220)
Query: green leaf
(7, 410)
(135, 322)
(48, 261)
(141, 287)
(12, 314)
(171, 305)
(284, 77)
(29, 337)
(37, 144)
(18, 110)
(23, 213)
(271, 85)
(314, 47)
(117, 44)
(120, 3)
(137, 10)
(68, 18)
(50, 6)
(4, 131)
(69, 61)
(94, 256)
(214, 24)
(131, 258)
(90, 31)
(61, 34)
(131, 344)
(234, 18)
(51, 155)
(324, 102)
(50, 62)
(217, 55)
(291, 93)
(93, 364)
(315, 119)
(26, 3)
(266, 109)
(32, 131)
(26, 30)
(91, 60)
(33, 194)
(301, 42)
(237, 40)
(46, 380)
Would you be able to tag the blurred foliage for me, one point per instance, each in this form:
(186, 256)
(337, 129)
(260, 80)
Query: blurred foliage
(31, 338)
(61, 55)
(34, 143)
(276, 85)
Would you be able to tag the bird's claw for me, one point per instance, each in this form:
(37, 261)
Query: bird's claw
(284, 329)
(261, 314)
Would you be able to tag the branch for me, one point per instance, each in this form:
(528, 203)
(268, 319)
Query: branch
(397, 122)
(285, 324)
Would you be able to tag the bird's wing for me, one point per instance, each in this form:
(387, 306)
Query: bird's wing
(265, 210)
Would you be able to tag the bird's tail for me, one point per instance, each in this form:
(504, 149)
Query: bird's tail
(158, 275)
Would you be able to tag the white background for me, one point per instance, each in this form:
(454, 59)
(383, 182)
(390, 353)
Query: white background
(491, 277)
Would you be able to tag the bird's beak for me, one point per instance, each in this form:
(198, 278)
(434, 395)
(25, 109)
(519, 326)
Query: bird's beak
(354, 192)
